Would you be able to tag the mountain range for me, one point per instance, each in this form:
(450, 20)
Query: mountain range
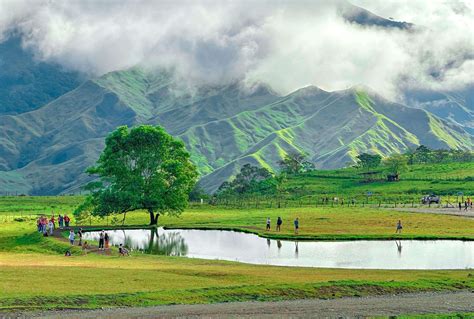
(53, 121)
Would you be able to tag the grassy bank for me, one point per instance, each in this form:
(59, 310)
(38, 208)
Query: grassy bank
(34, 274)
(51, 281)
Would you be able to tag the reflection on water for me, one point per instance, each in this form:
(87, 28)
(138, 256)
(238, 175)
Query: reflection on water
(249, 248)
(399, 247)
(147, 240)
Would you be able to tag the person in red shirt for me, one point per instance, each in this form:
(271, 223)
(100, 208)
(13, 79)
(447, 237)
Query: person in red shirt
(66, 220)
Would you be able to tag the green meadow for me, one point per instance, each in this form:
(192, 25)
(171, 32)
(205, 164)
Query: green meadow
(34, 274)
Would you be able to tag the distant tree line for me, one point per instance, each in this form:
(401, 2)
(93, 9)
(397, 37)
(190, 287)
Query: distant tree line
(253, 180)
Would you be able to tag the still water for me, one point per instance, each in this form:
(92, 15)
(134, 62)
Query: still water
(249, 248)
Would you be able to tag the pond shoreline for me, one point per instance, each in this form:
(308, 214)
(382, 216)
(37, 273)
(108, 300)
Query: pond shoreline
(276, 236)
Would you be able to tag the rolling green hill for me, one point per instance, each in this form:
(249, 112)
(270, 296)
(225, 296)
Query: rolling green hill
(27, 84)
(46, 151)
(445, 179)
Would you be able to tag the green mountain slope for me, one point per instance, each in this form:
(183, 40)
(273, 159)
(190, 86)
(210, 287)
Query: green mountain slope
(47, 150)
(26, 84)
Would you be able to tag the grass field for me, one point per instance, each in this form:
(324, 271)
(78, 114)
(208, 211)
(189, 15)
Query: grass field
(419, 180)
(34, 273)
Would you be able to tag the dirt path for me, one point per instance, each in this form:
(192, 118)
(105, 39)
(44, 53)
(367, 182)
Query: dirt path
(442, 211)
(422, 303)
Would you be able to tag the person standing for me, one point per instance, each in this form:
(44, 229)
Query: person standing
(399, 227)
(60, 221)
(460, 206)
(51, 226)
(79, 234)
(43, 224)
(268, 223)
(53, 220)
(465, 205)
(297, 225)
(279, 222)
(106, 240)
(101, 240)
(66, 220)
(71, 237)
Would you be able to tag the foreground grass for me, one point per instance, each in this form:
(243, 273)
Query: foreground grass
(52, 281)
(35, 274)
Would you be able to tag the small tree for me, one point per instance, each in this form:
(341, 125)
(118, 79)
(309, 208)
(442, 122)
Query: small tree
(142, 168)
(295, 163)
(422, 154)
(396, 163)
(368, 161)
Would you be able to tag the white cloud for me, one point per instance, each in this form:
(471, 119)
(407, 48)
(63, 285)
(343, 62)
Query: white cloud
(287, 44)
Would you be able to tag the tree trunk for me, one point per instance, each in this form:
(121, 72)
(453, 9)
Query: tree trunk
(153, 220)
(153, 217)
(123, 220)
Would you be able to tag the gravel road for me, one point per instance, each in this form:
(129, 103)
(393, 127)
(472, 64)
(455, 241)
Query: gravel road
(391, 305)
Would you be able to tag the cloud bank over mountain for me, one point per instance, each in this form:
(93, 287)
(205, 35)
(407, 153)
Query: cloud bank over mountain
(287, 44)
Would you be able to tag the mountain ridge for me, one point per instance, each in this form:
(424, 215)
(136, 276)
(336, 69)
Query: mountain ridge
(222, 127)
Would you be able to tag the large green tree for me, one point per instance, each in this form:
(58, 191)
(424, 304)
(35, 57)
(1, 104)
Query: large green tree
(142, 168)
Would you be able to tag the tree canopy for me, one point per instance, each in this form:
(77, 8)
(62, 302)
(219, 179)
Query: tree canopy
(141, 168)
(295, 163)
(396, 163)
(250, 179)
(368, 161)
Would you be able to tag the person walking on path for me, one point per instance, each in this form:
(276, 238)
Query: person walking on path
(71, 237)
(460, 206)
(106, 240)
(297, 225)
(53, 220)
(60, 221)
(66, 220)
(399, 227)
(465, 205)
(268, 223)
(279, 222)
(101, 240)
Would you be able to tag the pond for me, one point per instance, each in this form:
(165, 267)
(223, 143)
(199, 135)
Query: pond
(249, 248)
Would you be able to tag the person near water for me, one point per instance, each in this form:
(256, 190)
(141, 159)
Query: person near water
(51, 227)
(297, 225)
(79, 234)
(60, 221)
(106, 240)
(67, 253)
(101, 240)
(66, 220)
(279, 222)
(71, 237)
(399, 227)
(268, 223)
(123, 251)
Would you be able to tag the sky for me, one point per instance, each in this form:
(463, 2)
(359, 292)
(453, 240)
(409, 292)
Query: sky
(286, 44)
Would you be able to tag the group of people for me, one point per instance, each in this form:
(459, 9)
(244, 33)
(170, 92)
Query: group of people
(467, 204)
(45, 226)
(279, 222)
(104, 242)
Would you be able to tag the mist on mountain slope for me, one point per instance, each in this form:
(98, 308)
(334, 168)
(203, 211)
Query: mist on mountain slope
(287, 44)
